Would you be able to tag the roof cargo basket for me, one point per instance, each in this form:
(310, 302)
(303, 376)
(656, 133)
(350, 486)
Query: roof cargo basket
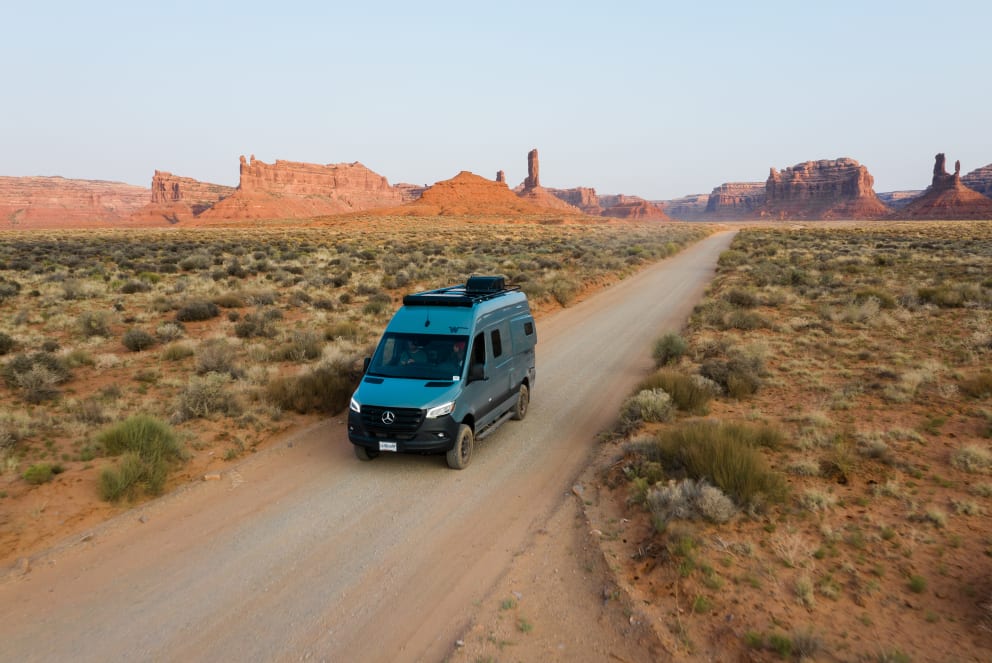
(485, 284)
(476, 289)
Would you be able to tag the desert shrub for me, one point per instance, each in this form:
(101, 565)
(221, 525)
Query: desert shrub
(137, 340)
(215, 356)
(90, 411)
(197, 310)
(40, 473)
(255, 324)
(6, 343)
(742, 298)
(688, 500)
(724, 455)
(35, 376)
(972, 458)
(229, 300)
(177, 351)
(302, 345)
(563, 289)
(204, 396)
(647, 405)
(739, 374)
(50, 345)
(134, 286)
(195, 261)
(690, 393)
(261, 297)
(327, 388)
(169, 331)
(8, 289)
(884, 299)
(149, 448)
(343, 330)
(94, 323)
(669, 349)
(978, 386)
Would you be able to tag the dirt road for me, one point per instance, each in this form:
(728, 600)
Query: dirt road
(306, 553)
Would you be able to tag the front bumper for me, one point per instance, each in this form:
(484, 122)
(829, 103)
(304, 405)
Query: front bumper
(430, 436)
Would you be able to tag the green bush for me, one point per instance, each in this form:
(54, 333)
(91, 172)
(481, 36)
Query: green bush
(724, 455)
(41, 473)
(739, 374)
(206, 396)
(326, 388)
(137, 340)
(197, 310)
(690, 393)
(669, 349)
(148, 447)
(6, 343)
(94, 323)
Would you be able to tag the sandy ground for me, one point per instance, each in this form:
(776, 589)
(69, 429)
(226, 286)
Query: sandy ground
(304, 553)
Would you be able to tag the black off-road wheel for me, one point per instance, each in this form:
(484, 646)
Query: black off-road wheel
(364, 453)
(523, 402)
(461, 454)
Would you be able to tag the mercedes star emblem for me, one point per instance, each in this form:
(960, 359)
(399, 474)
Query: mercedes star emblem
(388, 417)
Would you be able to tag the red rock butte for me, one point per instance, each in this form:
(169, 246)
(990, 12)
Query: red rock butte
(947, 198)
(56, 202)
(468, 194)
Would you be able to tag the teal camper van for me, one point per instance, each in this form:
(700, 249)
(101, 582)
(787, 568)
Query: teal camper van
(452, 365)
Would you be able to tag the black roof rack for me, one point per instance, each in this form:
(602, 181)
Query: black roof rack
(476, 289)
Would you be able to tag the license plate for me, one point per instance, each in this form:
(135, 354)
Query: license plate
(387, 446)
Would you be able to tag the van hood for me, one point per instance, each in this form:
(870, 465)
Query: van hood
(404, 392)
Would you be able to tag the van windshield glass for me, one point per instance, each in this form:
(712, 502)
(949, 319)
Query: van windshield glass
(420, 356)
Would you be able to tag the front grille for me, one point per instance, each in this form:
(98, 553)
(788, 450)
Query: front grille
(405, 425)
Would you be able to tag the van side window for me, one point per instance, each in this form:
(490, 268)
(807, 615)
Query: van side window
(497, 343)
(479, 349)
(529, 328)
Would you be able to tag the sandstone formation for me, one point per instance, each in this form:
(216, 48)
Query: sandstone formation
(467, 194)
(896, 200)
(736, 200)
(686, 208)
(292, 189)
(175, 199)
(52, 202)
(501, 177)
(947, 198)
(631, 207)
(826, 189)
(979, 180)
(584, 198)
(532, 191)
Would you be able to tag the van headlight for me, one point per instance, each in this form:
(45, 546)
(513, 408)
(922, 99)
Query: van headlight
(440, 410)
(355, 405)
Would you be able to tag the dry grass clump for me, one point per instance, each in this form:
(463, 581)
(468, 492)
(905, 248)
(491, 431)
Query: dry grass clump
(724, 454)
(689, 393)
(206, 396)
(973, 459)
(148, 449)
(688, 500)
(326, 388)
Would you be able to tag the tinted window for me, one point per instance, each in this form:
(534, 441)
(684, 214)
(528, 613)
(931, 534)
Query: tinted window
(528, 328)
(479, 349)
(497, 344)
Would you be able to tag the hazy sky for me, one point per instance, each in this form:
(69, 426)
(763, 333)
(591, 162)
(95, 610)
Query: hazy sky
(657, 99)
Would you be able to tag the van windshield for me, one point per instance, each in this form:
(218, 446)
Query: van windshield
(420, 356)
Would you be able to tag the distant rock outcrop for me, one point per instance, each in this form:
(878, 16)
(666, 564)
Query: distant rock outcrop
(896, 200)
(736, 200)
(53, 202)
(686, 208)
(825, 189)
(979, 180)
(532, 191)
(467, 194)
(176, 199)
(292, 189)
(614, 206)
(947, 198)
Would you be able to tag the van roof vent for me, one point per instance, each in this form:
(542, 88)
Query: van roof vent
(476, 289)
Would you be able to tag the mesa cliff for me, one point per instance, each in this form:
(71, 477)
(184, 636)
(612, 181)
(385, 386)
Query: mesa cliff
(947, 198)
(293, 189)
(176, 199)
(53, 202)
(736, 200)
(979, 180)
(825, 189)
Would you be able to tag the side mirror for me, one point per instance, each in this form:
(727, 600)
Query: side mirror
(365, 365)
(477, 372)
